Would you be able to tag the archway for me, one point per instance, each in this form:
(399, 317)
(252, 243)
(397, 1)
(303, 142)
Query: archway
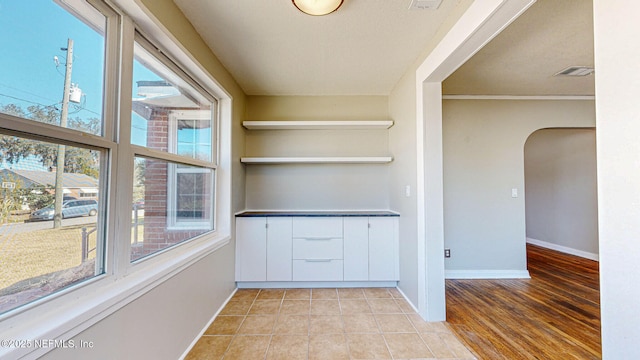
(561, 192)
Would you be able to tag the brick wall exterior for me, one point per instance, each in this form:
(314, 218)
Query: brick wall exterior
(156, 234)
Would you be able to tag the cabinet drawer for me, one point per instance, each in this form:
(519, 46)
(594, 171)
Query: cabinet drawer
(317, 248)
(317, 227)
(317, 270)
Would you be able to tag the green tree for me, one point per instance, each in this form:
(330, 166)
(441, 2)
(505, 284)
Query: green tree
(139, 169)
(77, 160)
(10, 197)
(39, 197)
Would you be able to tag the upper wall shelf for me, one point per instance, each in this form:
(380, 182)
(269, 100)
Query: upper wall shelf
(318, 160)
(318, 125)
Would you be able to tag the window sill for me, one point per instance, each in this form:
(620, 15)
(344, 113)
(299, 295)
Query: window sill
(69, 312)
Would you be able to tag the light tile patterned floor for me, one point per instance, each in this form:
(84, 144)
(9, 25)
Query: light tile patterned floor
(326, 324)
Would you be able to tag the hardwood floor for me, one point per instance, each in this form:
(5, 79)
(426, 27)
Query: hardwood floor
(553, 315)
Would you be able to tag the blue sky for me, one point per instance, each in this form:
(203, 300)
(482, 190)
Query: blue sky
(32, 32)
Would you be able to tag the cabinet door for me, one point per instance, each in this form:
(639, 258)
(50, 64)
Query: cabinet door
(251, 249)
(356, 248)
(383, 248)
(279, 249)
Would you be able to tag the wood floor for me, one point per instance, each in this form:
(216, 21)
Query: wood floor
(553, 315)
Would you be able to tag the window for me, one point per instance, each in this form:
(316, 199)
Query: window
(190, 200)
(55, 84)
(33, 79)
(173, 126)
(94, 203)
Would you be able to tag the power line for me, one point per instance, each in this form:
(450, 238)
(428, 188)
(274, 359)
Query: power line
(30, 102)
(78, 107)
(26, 92)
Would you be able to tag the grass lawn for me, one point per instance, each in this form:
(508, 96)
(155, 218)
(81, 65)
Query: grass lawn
(30, 254)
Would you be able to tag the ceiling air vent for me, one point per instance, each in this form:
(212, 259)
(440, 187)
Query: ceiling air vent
(575, 71)
(424, 4)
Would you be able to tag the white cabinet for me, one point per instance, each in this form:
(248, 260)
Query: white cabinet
(263, 249)
(316, 248)
(279, 249)
(356, 249)
(251, 249)
(317, 227)
(383, 248)
(371, 248)
(317, 270)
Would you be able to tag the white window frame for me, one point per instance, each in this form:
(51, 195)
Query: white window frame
(173, 222)
(176, 115)
(149, 56)
(67, 313)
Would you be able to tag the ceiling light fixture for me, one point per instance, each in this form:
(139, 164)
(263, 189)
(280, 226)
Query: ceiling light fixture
(317, 7)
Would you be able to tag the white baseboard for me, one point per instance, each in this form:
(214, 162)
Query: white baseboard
(415, 308)
(312, 284)
(563, 249)
(487, 274)
(193, 343)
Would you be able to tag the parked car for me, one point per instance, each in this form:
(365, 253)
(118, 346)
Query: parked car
(70, 208)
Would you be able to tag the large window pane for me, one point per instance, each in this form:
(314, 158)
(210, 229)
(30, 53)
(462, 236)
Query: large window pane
(38, 57)
(168, 113)
(36, 258)
(173, 203)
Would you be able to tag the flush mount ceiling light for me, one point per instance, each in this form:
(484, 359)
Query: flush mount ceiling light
(317, 7)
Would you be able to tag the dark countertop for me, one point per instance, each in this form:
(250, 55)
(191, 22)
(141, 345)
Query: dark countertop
(316, 213)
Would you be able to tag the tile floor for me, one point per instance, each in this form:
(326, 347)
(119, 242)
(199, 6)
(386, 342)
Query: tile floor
(327, 324)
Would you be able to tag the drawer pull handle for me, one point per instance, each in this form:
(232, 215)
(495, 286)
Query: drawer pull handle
(319, 238)
(317, 260)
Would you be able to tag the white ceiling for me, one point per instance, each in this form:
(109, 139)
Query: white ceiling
(271, 48)
(364, 48)
(549, 37)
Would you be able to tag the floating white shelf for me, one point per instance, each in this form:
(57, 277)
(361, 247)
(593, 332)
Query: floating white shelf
(318, 160)
(318, 125)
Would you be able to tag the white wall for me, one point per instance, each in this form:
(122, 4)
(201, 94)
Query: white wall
(483, 161)
(561, 192)
(317, 186)
(618, 147)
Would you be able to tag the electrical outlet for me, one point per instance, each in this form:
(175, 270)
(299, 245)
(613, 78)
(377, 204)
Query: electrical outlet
(447, 253)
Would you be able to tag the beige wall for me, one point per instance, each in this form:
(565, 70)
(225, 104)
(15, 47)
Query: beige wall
(561, 192)
(483, 161)
(162, 323)
(403, 171)
(317, 186)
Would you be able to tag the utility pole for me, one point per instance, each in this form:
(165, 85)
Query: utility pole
(59, 195)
